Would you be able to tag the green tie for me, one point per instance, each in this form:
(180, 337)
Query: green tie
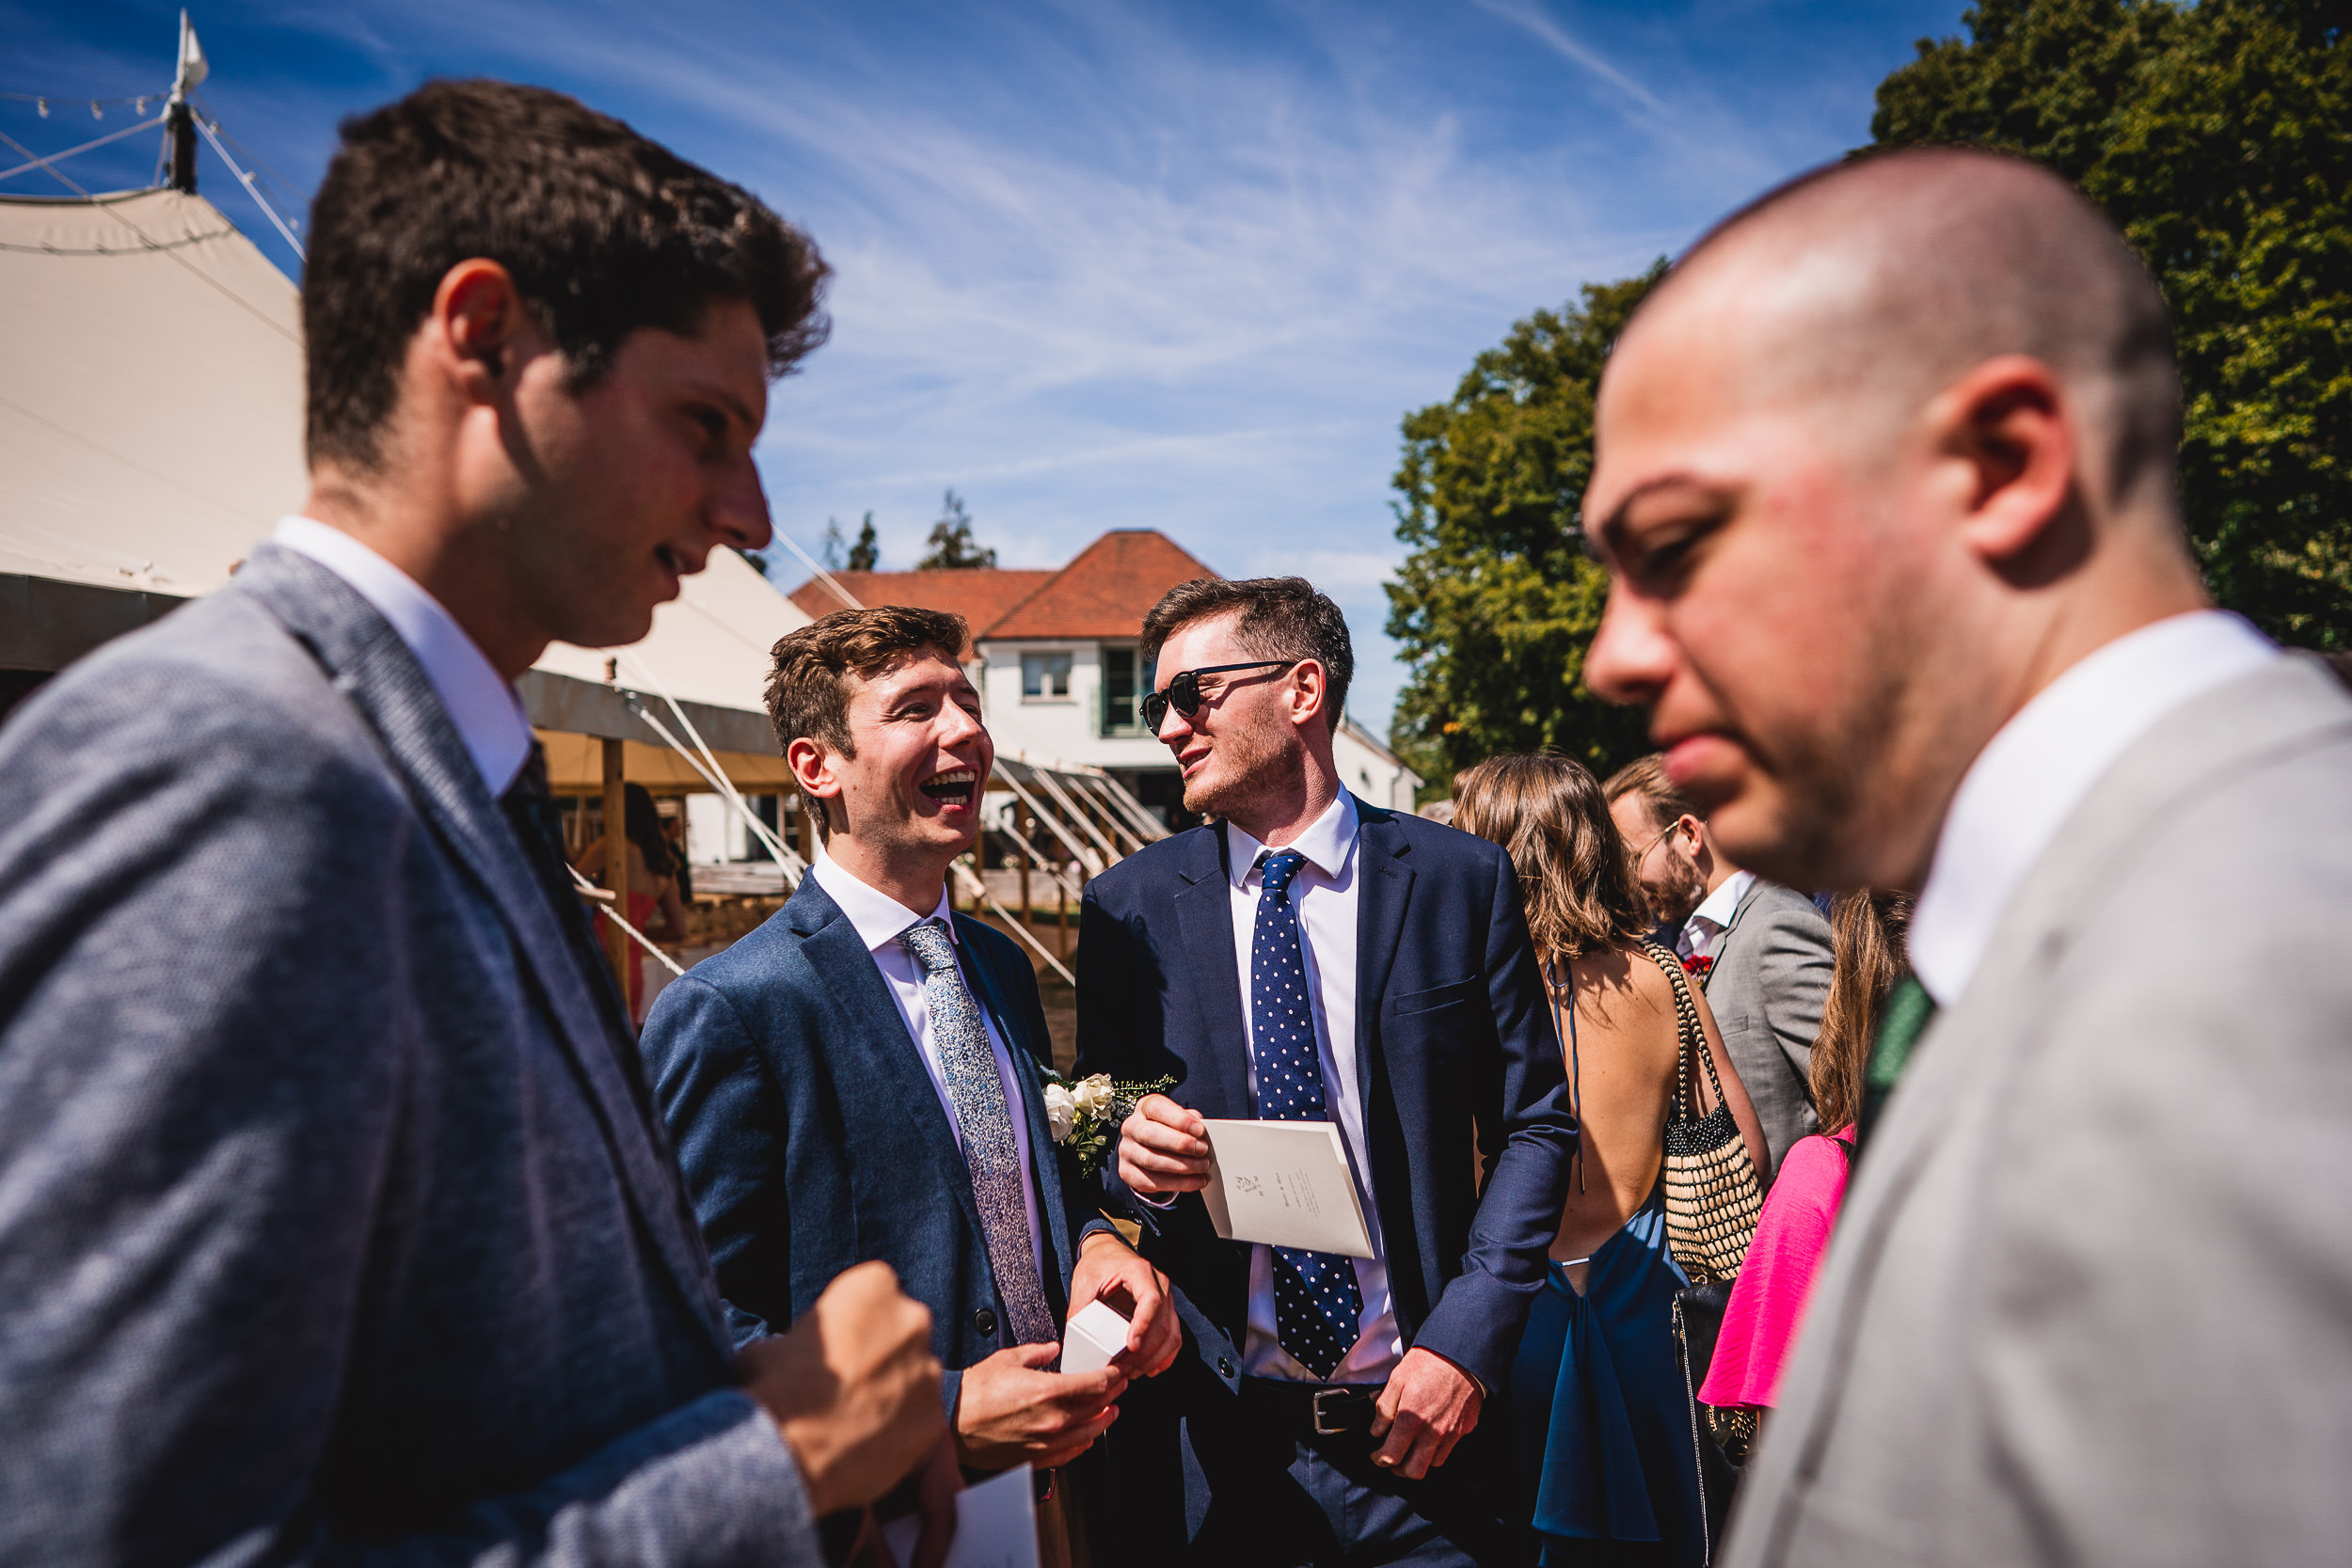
(1909, 1007)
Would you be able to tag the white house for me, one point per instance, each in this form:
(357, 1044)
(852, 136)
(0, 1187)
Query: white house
(1055, 655)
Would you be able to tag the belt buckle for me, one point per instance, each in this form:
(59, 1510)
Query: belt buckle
(1338, 1399)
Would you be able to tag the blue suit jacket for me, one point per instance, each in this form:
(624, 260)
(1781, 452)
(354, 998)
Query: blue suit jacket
(812, 1137)
(1458, 1061)
(338, 1221)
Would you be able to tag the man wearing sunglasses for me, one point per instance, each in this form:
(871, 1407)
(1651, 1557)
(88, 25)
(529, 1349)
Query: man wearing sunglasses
(1307, 955)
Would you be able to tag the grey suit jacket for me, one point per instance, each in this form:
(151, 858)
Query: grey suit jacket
(2090, 1298)
(1767, 986)
(333, 1222)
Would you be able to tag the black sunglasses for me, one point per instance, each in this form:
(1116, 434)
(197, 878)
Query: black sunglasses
(1183, 691)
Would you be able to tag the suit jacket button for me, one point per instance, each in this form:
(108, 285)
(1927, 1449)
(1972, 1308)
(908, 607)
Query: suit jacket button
(984, 1320)
(1224, 1367)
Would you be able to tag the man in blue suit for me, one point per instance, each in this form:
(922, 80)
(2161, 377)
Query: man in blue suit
(859, 1077)
(1310, 957)
(337, 1222)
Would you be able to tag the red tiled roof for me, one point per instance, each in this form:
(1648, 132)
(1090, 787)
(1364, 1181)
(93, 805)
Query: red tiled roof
(1107, 590)
(980, 593)
(1104, 593)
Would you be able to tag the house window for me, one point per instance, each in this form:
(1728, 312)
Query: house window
(1045, 677)
(1120, 690)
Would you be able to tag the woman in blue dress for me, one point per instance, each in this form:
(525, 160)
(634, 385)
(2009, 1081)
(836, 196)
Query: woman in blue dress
(1608, 1451)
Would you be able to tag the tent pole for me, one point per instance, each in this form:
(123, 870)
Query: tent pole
(616, 864)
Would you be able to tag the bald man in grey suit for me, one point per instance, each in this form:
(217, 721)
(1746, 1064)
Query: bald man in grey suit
(1886, 486)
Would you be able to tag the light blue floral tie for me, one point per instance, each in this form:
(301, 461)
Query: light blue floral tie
(990, 1152)
(1317, 1306)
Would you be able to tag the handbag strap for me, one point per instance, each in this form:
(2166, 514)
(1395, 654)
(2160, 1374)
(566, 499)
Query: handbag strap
(1691, 1036)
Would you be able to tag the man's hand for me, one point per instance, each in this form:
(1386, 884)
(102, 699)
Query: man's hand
(930, 1494)
(1163, 1147)
(1429, 1405)
(853, 1386)
(1108, 1270)
(1012, 1410)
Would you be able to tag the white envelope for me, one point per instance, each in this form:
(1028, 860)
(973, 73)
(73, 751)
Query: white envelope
(1096, 1334)
(995, 1525)
(1285, 1183)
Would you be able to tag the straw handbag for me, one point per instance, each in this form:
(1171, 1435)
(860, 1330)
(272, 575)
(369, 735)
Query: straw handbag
(1712, 1199)
(1712, 1193)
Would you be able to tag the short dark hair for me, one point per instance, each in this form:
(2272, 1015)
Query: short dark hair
(808, 692)
(1281, 618)
(1646, 777)
(603, 232)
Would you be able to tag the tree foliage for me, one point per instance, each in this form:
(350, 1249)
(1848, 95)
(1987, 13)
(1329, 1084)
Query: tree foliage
(866, 555)
(839, 555)
(951, 546)
(1498, 599)
(2219, 137)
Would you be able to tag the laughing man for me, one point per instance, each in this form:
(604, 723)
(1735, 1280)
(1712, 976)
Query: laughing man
(859, 1077)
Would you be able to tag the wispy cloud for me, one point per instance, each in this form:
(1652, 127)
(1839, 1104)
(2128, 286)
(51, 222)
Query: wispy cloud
(1127, 262)
(1556, 38)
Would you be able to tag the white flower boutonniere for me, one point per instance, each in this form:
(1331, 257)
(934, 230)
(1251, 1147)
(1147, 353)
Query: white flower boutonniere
(1082, 1116)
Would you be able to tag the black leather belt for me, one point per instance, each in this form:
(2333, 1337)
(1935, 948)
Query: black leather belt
(1323, 1409)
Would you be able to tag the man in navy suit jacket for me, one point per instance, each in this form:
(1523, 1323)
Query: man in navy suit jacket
(1319, 1419)
(834, 1098)
(337, 1223)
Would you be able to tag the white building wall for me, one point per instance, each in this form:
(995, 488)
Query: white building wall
(1368, 769)
(1067, 730)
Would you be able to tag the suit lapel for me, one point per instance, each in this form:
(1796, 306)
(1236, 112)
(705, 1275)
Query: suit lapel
(1205, 923)
(997, 996)
(876, 1049)
(1384, 887)
(373, 669)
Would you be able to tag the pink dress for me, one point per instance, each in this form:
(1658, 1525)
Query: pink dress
(1768, 1302)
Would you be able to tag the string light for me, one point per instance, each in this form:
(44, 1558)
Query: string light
(41, 104)
(95, 111)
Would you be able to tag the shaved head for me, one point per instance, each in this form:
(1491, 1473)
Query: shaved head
(1889, 449)
(1873, 284)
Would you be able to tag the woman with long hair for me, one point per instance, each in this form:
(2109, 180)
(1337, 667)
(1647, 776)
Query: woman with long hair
(1768, 1302)
(1606, 1440)
(652, 886)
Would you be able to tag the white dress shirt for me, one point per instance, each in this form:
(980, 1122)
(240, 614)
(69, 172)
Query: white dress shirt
(879, 919)
(1324, 893)
(1704, 931)
(2036, 771)
(488, 716)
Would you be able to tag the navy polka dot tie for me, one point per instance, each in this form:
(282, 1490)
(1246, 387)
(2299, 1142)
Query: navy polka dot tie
(1317, 1307)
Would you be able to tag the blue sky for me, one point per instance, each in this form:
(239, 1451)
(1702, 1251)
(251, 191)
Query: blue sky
(1098, 266)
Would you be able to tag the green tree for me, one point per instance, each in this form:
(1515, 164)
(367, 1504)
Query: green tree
(866, 555)
(1499, 598)
(952, 546)
(2219, 137)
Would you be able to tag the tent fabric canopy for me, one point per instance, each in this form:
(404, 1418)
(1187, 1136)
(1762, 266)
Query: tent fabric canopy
(576, 767)
(151, 425)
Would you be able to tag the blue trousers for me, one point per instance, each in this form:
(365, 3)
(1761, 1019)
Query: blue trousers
(1262, 1490)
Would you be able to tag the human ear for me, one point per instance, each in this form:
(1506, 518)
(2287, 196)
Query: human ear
(1310, 691)
(2008, 427)
(812, 768)
(484, 330)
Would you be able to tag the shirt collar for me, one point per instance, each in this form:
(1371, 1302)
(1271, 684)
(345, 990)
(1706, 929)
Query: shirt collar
(488, 716)
(1327, 843)
(1722, 904)
(2034, 773)
(879, 919)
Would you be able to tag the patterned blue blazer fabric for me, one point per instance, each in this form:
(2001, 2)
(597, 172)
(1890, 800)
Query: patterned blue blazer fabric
(813, 1139)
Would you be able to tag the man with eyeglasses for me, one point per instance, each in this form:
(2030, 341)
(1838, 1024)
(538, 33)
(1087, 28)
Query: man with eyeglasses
(1761, 952)
(1308, 956)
